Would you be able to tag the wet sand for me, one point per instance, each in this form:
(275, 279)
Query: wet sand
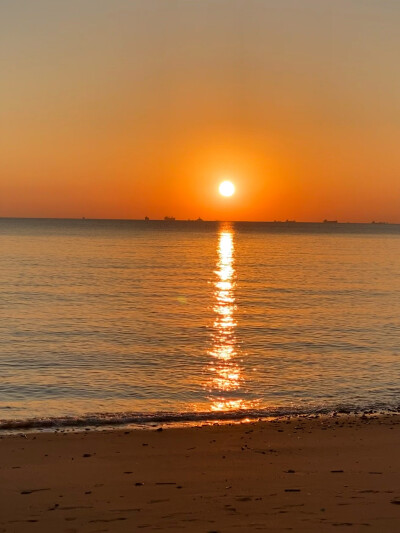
(309, 475)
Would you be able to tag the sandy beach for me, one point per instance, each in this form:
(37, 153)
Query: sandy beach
(320, 474)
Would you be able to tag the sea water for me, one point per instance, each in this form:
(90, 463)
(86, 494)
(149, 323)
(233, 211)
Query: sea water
(129, 321)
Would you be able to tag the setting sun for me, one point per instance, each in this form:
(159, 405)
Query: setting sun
(226, 188)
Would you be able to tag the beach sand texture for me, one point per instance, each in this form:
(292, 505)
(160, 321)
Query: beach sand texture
(310, 475)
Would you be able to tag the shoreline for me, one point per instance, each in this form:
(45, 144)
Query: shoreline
(142, 421)
(308, 474)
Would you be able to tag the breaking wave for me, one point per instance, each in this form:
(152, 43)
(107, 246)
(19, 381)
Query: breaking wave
(96, 420)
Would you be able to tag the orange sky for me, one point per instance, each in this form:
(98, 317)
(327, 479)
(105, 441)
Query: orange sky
(127, 108)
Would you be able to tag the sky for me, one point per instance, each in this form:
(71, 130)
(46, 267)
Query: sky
(134, 108)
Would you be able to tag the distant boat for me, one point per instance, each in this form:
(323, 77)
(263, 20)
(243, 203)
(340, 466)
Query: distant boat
(199, 220)
(169, 219)
(146, 218)
(290, 221)
(330, 221)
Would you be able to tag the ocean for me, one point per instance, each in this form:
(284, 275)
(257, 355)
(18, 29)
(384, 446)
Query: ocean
(109, 322)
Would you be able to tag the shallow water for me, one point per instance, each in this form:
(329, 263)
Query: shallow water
(126, 319)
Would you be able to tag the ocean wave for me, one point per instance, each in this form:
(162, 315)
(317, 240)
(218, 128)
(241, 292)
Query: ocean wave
(141, 419)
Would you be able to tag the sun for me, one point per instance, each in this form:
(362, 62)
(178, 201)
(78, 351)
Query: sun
(226, 188)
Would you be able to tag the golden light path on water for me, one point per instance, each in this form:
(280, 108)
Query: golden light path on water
(226, 372)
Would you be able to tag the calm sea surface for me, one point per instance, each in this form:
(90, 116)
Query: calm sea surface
(133, 321)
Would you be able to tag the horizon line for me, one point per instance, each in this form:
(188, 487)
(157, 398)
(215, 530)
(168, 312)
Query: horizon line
(200, 220)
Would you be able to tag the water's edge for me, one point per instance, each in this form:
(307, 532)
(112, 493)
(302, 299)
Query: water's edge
(100, 420)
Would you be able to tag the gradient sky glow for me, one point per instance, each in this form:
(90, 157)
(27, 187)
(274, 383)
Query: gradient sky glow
(127, 108)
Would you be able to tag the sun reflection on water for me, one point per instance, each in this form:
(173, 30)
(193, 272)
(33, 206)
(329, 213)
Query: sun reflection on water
(226, 372)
